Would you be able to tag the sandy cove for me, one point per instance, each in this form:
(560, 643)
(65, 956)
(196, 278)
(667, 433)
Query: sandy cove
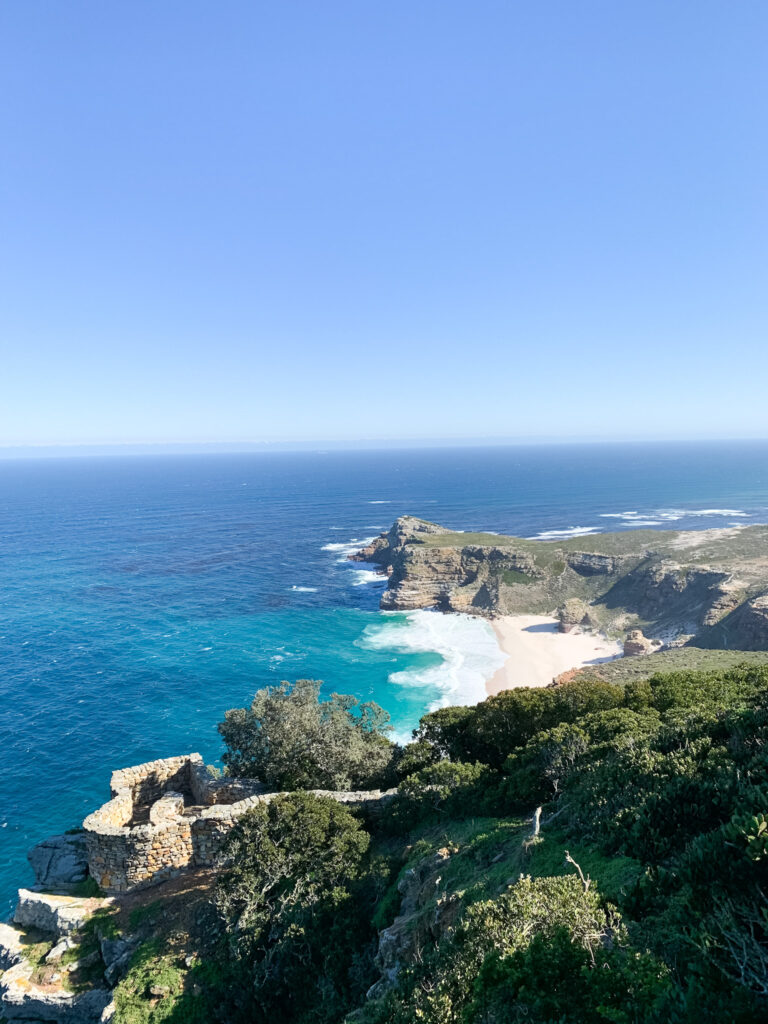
(537, 652)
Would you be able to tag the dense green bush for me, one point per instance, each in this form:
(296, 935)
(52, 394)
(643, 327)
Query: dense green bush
(490, 731)
(290, 739)
(295, 907)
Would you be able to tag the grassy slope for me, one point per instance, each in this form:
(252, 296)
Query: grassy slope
(490, 854)
(624, 670)
(626, 542)
(743, 547)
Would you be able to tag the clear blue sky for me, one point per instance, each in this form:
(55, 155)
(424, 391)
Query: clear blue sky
(242, 220)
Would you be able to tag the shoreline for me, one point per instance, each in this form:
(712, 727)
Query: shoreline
(537, 652)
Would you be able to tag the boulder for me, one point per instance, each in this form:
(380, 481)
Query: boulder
(60, 862)
(572, 614)
(60, 949)
(636, 643)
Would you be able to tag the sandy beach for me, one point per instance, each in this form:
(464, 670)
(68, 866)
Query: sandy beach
(537, 652)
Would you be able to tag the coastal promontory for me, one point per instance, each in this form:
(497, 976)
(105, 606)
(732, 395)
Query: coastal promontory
(707, 587)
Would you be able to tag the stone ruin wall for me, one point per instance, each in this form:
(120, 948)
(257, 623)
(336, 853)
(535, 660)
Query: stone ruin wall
(124, 854)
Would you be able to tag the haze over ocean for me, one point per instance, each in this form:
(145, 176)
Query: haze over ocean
(142, 597)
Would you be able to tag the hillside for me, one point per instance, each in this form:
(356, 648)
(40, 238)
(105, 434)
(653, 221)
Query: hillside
(709, 587)
(582, 854)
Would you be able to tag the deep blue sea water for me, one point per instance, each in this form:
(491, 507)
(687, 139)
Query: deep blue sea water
(142, 597)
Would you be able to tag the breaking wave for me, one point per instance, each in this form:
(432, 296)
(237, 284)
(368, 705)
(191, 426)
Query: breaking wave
(572, 531)
(466, 644)
(362, 576)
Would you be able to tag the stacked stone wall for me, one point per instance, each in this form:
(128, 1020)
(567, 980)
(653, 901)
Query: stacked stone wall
(147, 782)
(123, 856)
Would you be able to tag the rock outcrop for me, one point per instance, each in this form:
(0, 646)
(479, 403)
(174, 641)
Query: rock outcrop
(60, 862)
(25, 999)
(573, 614)
(11, 946)
(622, 580)
(636, 643)
(53, 913)
(744, 629)
(418, 889)
(35, 992)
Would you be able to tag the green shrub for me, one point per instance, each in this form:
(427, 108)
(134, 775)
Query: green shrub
(290, 739)
(296, 910)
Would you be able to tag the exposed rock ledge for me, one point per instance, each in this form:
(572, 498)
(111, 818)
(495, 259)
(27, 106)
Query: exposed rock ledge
(712, 585)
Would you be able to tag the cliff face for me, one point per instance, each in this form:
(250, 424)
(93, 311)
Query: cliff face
(711, 585)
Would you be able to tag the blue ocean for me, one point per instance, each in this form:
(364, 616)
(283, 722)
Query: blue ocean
(140, 597)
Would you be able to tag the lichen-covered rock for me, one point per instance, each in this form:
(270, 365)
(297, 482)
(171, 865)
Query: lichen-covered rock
(55, 914)
(11, 946)
(59, 862)
(21, 999)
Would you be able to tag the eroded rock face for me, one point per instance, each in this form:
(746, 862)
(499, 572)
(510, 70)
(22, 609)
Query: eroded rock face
(666, 589)
(418, 887)
(636, 643)
(23, 1000)
(60, 862)
(11, 946)
(586, 563)
(54, 914)
(573, 614)
(452, 578)
(752, 625)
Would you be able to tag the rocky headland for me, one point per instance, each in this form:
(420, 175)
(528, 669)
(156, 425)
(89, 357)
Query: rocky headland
(708, 588)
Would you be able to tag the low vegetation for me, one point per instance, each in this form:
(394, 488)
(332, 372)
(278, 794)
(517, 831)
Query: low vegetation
(581, 854)
(641, 666)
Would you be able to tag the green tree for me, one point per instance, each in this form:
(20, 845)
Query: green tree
(290, 739)
(291, 902)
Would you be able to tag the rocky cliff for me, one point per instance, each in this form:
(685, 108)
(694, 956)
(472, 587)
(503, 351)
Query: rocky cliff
(710, 585)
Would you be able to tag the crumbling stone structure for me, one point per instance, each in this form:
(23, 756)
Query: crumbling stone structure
(171, 815)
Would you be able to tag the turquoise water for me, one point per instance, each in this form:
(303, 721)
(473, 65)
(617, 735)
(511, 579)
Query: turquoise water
(142, 597)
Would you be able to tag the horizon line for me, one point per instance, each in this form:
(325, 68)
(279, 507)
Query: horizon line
(125, 448)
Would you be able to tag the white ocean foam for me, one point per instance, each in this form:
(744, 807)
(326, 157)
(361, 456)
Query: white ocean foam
(304, 590)
(387, 502)
(466, 643)
(572, 531)
(673, 514)
(349, 547)
(719, 512)
(362, 576)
